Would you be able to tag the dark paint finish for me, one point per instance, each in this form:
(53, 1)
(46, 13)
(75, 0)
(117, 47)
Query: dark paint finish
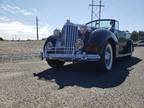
(100, 37)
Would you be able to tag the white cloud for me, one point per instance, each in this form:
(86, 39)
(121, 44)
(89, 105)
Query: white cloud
(16, 9)
(4, 19)
(19, 30)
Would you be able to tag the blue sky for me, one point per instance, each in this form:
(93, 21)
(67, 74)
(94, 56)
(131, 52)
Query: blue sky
(17, 17)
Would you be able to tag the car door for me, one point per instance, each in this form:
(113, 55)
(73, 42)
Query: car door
(122, 41)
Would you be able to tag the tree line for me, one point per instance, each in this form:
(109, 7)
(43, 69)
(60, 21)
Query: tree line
(137, 35)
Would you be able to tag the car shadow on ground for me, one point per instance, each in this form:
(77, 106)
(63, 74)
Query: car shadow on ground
(87, 75)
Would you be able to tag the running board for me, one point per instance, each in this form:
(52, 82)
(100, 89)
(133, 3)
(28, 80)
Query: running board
(123, 55)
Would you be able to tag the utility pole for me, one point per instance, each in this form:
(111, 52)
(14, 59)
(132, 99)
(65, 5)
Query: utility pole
(92, 11)
(100, 7)
(37, 27)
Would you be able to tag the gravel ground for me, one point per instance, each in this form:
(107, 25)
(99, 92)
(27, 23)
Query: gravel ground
(31, 83)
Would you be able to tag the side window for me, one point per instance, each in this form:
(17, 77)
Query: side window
(116, 25)
(92, 24)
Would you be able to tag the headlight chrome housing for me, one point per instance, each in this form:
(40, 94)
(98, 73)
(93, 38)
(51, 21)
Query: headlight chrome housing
(49, 46)
(79, 44)
(57, 33)
(83, 29)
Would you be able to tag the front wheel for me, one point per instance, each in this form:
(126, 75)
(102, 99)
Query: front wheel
(107, 58)
(55, 63)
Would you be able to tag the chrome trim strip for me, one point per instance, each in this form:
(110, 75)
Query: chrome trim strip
(72, 57)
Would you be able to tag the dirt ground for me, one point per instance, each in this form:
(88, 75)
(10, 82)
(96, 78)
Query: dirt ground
(28, 82)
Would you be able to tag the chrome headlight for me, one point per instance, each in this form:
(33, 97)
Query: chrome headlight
(57, 33)
(79, 44)
(83, 29)
(49, 46)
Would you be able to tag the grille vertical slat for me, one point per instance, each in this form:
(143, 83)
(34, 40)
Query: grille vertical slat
(71, 38)
(70, 33)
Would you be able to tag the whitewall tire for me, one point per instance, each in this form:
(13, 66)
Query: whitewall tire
(107, 58)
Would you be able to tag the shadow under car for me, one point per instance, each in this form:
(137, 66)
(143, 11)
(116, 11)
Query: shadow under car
(87, 75)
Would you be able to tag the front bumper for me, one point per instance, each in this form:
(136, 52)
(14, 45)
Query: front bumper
(71, 57)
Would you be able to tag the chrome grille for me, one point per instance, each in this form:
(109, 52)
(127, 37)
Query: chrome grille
(70, 33)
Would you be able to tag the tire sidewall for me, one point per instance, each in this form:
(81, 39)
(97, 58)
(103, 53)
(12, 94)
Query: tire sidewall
(55, 63)
(103, 61)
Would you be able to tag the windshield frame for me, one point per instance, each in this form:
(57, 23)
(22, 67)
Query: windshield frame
(91, 23)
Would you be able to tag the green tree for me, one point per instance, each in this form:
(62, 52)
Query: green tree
(134, 35)
(141, 34)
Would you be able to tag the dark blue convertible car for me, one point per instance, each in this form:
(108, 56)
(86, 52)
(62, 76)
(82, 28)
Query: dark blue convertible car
(98, 41)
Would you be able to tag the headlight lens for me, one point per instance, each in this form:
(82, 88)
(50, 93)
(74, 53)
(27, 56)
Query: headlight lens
(49, 46)
(57, 33)
(83, 29)
(79, 44)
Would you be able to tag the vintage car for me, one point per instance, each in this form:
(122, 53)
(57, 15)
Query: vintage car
(139, 43)
(99, 41)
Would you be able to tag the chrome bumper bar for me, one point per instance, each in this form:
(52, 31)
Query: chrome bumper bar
(71, 57)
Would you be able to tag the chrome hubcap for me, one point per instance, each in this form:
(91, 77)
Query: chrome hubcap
(108, 57)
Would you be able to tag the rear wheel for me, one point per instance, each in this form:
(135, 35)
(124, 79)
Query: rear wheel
(107, 58)
(55, 63)
(130, 50)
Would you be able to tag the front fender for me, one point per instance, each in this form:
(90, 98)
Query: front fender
(100, 37)
(50, 39)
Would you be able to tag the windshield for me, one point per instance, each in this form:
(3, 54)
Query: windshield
(108, 24)
(104, 24)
